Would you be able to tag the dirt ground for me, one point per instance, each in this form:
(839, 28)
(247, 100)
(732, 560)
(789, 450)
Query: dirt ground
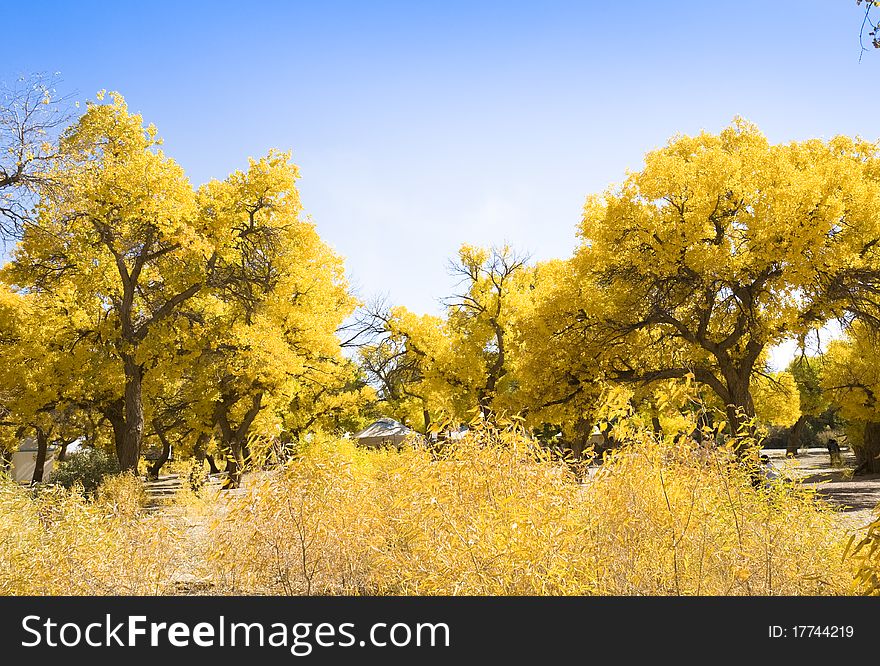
(857, 496)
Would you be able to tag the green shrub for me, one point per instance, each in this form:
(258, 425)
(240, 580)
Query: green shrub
(87, 468)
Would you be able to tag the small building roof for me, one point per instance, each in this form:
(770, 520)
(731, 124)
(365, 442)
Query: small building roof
(384, 427)
(29, 445)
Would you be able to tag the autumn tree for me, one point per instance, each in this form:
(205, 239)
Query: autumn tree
(395, 374)
(460, 363)
(807, 373)
(171, 419)
(268, 338)
(481, 314)
(560, 379)
(851, 380)
(118, 225)
(391, 365)
(228, 283)
(777, 398)
(41, 392)
(719, 248)
(26, 407)
(334, 400)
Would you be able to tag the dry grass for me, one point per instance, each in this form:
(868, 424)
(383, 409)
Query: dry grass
(491, 515)
(494, 516)
(56, 542)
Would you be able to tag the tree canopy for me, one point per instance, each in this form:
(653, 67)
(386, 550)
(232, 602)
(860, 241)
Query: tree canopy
(720, 248)
(221, 300)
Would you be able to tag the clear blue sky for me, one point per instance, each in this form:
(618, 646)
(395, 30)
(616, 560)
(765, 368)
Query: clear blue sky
(419, 126)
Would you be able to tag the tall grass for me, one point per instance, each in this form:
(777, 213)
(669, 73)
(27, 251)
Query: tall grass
(57, 542)
(493, 515)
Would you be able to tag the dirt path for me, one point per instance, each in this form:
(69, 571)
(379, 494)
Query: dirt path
(190, 576)
(857, 496)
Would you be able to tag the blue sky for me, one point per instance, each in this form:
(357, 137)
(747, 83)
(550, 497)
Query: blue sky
(420, 126)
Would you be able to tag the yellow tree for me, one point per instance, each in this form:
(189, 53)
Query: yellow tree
(394, 373)
(777, 398)
(26, 401)
(461, 363)
(42, 389)
(563, 367)
(560, 380)
(172, 394)
(335, 398)
(719, 248)
(482, 314)
(269, 332)
(441, 377)
(851, 380)
(117, 225)
(807, 374)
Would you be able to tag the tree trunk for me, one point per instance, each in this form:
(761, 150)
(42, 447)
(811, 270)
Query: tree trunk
(234, 466)
(581, 439)
(486, 395)
(234, 439)
(484, 402)
(740, 409)
(40, 463)
(133, 435)
(655, 426)
(868, 454)
(212, 464)
(115, 413)
(156, 467)
(795, 437)
(201, 445)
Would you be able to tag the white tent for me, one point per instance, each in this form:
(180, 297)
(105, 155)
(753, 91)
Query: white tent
(24, 461)
(383, 432)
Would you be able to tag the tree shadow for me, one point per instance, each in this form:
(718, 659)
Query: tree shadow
(851, 494)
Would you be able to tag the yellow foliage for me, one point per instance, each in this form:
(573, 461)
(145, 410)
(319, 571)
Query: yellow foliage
(131, 283)
(866, 556)
(494, 515)
(56, 542)
(722, 246)
(777, 398)
(851, 376)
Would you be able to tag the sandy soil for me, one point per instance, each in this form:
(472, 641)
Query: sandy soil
(858, 497)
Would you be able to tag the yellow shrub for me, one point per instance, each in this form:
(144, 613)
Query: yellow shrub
(680, 520)
(491, 514)
(309, 529)
(494, 515)
(122, 494)
(55, 541)
(866, 557)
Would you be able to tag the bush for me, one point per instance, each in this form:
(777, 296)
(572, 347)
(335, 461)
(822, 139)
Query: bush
(494, 515)
(123, 493)
(86, 467)
(54, 541)
(866, 556)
